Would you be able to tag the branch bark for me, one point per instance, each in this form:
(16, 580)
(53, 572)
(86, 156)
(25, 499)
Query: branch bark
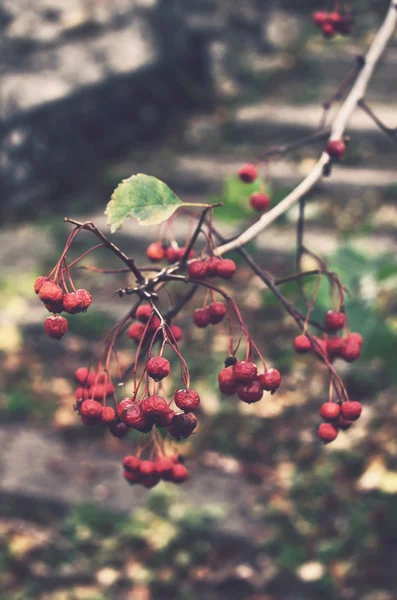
(338, 127)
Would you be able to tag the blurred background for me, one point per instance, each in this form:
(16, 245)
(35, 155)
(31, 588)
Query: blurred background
(186, 90)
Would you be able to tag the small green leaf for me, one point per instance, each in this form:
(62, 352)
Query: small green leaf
(144, 197)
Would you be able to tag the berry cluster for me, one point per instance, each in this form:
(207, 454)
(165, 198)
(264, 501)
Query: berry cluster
(150, 472)
(333, 23)
(259, 201)
(337, 416)
(242, 378)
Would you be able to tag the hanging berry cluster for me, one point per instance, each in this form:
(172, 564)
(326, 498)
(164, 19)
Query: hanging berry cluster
(333, 23)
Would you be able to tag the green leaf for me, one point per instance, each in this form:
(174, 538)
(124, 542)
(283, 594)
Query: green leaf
(144, 197)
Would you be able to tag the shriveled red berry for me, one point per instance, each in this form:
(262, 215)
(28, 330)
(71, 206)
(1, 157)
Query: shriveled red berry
(343, 423)
(90, 409)
(84, 376)
(197, 269)
(270, 380)
(155, 252)
(50, 293)
(54, 307)
(85, 299)
(350, 350)
(201, 317)
(144, 312)
(55, 327)
(134, 417)
(334, 320)
(179, 474)
(319, 18)
(108, 415)
(302, 344)
(156, 410)
(123, 405)
(101, 390)
(227, 381)
(187, 400)
(118, 430)
(71, 303)
(250, 392)
(131, 463)
(226, 268)
(327, 433)
(212, 266)
(135, 331)
(177, 332)
(248, 173)
(330, 411)
(164, 467)
(259, 201)
(182, 425)
(335, 148)
(39, 282)
(172, 254)
(217, 311)
(244, 371)
(351, 410)
(158, 367)
(328, 30)
(334, 347)
(131, 477)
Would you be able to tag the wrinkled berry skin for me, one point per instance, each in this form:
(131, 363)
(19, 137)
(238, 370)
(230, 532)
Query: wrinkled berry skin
(247, 173)
(158, 367)
(182, 425)
(327, 433)
(39, 282)
(334, 320)
(187, 400)
(330, 411)
(157, 411)
(227, 382)
(212, 266)
(85, 299)
(250, 392)
(155, 252)
(50, 293)
(133, 417)
(71, 303)
(123, 405)
(259, 201)
(197, 269)
(270, 380)
(201, 317)
(336, 149)
(217, 312)
(351, 410)
(244, 371)
(56, 327)
(302, 344)
(90, 409)
(226, 268)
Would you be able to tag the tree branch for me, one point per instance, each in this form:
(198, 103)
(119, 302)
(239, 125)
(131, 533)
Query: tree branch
(339, 125)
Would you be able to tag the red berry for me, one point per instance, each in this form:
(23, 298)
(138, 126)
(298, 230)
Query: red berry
(39, 282)
(133, 417)
(158, 367)
(50, 293)
(172, 254)
(260, 201)
(336, 149)
(135, 331)
(248, 173)
(179, 474)
(335, 18)
(147, 468)
(227, 382)
(351, 410)
(319, 347)
(302, 344)
(85, 299)
(334, 346)
(164, 467)
(177, 332)
(55, 327)
(182, 425)
(197, 269)
(330, 411)
(319, 18)
(212, 266)
(350, 350)
(343, 424)
(217, 312)
(82, 394)
(157, 411)
(244, 371)
(99, 391)
(149, 482)
(328, 30)
(54, 307)
(226, 268)
(84, 376)
(355, 337)
(181, 253)
(144, 312)
(123, 406)
(131, 477)
(327, 433)
(201, 317)
(334, 320)
(71, 303)
(270, 380)
(187, 400)
(118, 430)
(90, 409)
(108, 415)
(250, 392)
(155, 252)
